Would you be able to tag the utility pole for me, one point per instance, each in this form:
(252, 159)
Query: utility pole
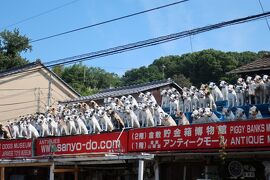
(190, 41)
(84, 72)
(163, 74)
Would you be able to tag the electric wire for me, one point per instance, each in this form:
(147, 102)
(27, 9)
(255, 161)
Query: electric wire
(36, 69)
(22, 93)
(40, 14)
(23, 102)
(267, 23)
(15, 118)
(149, 42)
(29, 77)
(63, 97)
(12, 118)
(25, 107)
(21, 89)
(109, 21)
(154, 41)
(16, 94)
(146, 43)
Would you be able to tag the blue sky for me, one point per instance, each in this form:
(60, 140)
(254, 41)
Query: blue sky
(253, 36)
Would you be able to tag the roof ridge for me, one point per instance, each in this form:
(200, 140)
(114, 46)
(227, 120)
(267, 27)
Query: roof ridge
(141, 87)
(10, 70)
(24, 68)
(262, 62)
(134, 85)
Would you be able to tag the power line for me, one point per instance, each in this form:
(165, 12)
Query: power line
(154, 41)
(267, 23)
(15, 117)
(109, 21)
(20, 89)
(27, 107)
(23, 102)
(29, 77)
(12, 118)
(21, 93)
(16, 94)
(149, 42)
(41, 14)
(38, 68)
(62, 96)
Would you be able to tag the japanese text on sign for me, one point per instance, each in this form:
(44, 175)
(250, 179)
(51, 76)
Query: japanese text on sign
(193, 137)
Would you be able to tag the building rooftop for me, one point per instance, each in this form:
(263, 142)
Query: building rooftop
(31, 67)
(257, 65)
(125, 90)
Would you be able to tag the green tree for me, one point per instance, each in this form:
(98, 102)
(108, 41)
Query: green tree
(141, 75)
(58, 70)
(11, 45)
(87, 80)
(198, 67)
(181, 80)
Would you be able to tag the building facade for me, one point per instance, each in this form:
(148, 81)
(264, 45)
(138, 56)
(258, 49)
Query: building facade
(30, 89)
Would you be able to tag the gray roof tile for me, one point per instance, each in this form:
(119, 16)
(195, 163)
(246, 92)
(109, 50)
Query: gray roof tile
(125, 90)
(257, 65)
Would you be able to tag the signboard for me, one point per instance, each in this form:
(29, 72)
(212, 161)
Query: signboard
(99, 143)
(15, 148)
(238, 134)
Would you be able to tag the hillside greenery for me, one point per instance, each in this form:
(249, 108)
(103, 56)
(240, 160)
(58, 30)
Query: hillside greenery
(87, 80)
(186, 70)
(191, 68)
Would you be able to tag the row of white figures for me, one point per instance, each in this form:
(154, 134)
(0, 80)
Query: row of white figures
(82, 118)
(187, 100)
(145, 111)
(239, 114)
(206, 115)
(117, 113)
(260, 89)
(255, 89)
(250, 91)
(24, 128)
(203, 115)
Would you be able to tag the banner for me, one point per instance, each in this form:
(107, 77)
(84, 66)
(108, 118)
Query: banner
(237, 134)
(15, 148)
(115, 142)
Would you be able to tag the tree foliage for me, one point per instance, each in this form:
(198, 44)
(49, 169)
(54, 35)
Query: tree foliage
(11, 45)
(196, 68)
(181, 80)
(191, 68)
(87, 80)
(141, 75)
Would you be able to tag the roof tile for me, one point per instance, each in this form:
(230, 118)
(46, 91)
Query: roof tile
(125, 90)
(257, 65)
